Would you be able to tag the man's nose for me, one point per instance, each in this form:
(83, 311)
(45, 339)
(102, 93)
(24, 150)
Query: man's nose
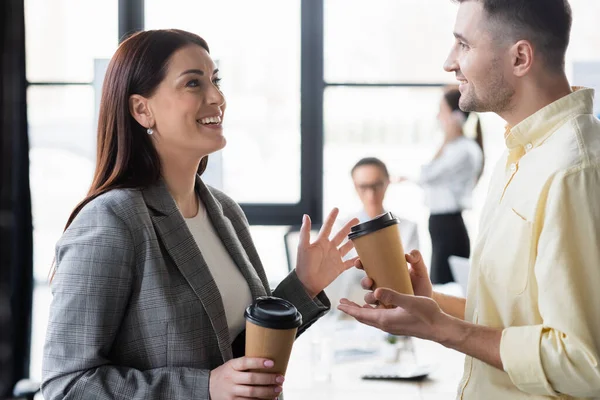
(451, 65)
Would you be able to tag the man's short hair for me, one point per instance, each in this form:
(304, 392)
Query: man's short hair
(545, 23)
(371, 161)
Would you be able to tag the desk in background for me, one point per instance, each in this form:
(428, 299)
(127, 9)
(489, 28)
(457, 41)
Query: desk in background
(307, 379)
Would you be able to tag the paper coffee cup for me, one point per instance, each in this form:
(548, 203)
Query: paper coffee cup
(380, 249)
(271, 326)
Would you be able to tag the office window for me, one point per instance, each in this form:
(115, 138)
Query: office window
(64, 36)
(385, 41)
(259, 59)
(271, 250)
(585, 34)
(62, 163)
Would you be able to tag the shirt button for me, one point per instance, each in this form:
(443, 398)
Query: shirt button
(528, 146)
(513, 167)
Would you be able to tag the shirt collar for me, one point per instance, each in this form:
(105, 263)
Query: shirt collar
(536, 128)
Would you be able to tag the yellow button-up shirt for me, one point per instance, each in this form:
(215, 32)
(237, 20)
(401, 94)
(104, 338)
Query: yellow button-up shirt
(536, 265)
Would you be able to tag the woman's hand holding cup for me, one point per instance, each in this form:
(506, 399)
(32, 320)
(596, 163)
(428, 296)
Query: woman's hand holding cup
(233, 380)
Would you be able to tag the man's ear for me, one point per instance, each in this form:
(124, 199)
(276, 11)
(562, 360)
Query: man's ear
(138, 107)
(522, 57)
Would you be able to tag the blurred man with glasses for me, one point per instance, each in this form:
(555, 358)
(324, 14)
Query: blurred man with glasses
(371, 180)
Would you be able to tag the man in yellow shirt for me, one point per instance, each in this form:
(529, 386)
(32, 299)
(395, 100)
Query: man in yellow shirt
(530, 325)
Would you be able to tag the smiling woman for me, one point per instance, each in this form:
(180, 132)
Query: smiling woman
(155, 268)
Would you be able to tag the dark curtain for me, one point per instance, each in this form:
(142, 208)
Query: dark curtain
(16, 247)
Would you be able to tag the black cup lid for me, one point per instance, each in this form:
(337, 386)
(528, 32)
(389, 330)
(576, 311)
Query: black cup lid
(274, 313)
(377, 223)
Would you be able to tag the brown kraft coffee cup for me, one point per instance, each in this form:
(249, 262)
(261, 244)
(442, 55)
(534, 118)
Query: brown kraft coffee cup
(271, 326)
(380, 249)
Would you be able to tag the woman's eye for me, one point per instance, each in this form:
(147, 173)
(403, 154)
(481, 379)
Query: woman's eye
(193, 83)
(217, 82)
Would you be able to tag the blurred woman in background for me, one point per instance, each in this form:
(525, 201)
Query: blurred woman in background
(448, 181)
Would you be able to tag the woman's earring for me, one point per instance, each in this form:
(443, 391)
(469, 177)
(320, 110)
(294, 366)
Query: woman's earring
(150, 131)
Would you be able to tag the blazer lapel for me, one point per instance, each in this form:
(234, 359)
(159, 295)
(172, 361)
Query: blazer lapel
(230, 239)
(179, 243)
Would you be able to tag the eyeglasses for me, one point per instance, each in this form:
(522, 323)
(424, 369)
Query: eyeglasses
(375, 186)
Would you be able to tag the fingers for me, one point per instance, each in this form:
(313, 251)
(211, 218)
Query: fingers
(346, 247)
(343, 233)
(367, 283)
(305, 232)
(415, 259)
(257, 392)
(349, 263)
(368, 316)
(328, 224)
(391, 297)
(348, 302)
(258, 379)
(247, 363)
(358, 264)
(370, 299)
(255, 385)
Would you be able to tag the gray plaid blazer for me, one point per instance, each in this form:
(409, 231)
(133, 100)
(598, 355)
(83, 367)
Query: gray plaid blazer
(136, 313)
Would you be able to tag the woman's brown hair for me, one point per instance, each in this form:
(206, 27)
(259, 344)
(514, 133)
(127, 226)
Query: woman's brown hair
(125, 155)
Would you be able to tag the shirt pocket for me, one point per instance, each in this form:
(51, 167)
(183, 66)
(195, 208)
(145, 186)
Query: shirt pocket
(506, 258)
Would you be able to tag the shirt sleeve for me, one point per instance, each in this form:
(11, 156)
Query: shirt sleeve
(292, 290)
(561, 354)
